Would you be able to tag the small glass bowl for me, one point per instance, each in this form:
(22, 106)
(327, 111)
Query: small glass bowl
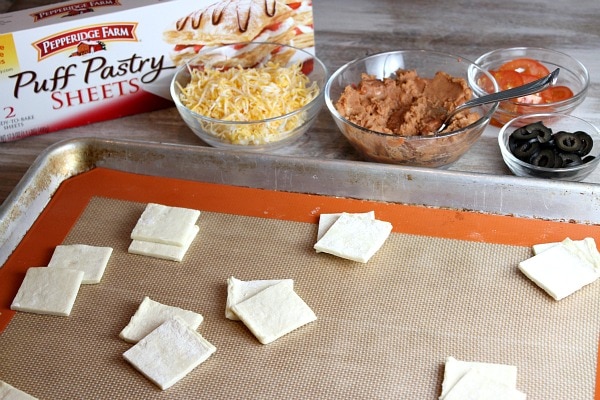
(284, 129)
(573, 74)
(556, 122)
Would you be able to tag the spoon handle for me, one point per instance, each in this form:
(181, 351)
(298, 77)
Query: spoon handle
(519, 91)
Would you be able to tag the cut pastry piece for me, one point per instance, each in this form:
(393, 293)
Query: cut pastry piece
(274, 312)
(327, 220)
(9, 392)
(354, 238)
(150, 314)
(559, 271)
(577, 246)
(593, 253)
(238, 291)
(169, 353)
(48, 291)
(585, 248)
(161, 250)
(455, 369)
(477, 385)
(165, 224)
(541, 247)
(92, 260)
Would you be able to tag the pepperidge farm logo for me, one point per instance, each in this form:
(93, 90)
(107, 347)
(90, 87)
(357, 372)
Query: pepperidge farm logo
(85, 40)
(70, 10)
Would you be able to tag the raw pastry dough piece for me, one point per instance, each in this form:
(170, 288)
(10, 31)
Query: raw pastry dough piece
(354, 238)
(8, 392)
(455, 369)
(477, 385)
(165, 224)
(585, 248)
(593, 251)
(169, 353)
(274, 312)
(559, 271)
(151, 314)
(92, 260)
(541, 247)
(48, 291)
(161, 250)
(238, 291)
(327, 220)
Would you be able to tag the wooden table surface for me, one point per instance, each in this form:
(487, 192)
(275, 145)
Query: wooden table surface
(346, 29)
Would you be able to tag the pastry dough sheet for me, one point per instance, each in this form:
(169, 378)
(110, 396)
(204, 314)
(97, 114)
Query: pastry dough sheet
(384, 328)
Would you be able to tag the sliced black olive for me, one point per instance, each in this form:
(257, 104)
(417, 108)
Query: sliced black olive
(567, 142)
(538, 126)
(544, 158)
(544, 136)
(537, 145)
(588, 159)
(523, 133)
(558, 160)
(586, 143)
(513, 143)
(570, 159)
(526, 150)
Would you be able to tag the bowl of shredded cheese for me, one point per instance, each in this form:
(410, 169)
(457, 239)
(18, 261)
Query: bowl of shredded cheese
(255, 96)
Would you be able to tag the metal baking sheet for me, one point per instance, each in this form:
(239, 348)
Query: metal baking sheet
(503, 195)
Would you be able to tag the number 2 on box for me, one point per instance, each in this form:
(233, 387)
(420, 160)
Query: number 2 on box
(9, 112)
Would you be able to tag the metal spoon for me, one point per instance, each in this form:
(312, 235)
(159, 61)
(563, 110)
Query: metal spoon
(519, 91)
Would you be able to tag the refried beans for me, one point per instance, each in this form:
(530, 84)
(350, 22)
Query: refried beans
(406, 105)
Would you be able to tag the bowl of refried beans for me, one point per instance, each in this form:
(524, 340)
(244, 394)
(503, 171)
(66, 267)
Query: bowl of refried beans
(390, 105)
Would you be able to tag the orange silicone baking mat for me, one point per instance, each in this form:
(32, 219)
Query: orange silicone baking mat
(444, 284)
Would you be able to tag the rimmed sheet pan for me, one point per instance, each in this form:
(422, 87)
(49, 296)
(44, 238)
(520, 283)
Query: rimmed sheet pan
(444, 284)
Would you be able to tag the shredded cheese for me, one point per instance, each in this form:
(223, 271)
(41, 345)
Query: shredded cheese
(249, 96)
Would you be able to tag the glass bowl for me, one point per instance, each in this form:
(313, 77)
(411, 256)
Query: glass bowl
(573, 75)
(422, 150)
(557, 123)
(232, 131)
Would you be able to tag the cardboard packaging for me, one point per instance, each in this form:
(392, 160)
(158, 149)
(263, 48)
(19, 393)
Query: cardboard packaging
(80, 62)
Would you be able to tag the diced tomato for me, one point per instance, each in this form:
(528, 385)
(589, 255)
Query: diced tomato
(520, 72)
(294, 6)
(308, 66)
(529, 78)
(530, 99)
(556, 93)
(297, 31)
(239, 46)
(525, 66)
(507, 79)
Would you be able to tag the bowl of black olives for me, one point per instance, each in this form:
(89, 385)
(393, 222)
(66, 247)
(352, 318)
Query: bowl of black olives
(550, 146)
